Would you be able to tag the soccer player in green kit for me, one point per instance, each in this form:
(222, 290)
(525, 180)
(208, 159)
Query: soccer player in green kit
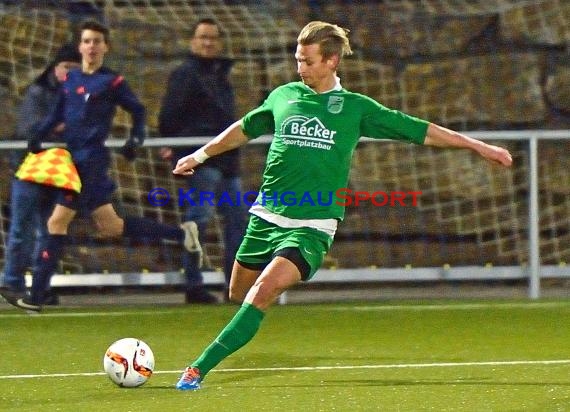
(316, 126)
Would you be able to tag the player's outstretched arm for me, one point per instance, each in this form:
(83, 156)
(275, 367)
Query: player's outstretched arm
(231, 138)
(439, 136)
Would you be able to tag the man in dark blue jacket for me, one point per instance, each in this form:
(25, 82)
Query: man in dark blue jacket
(87, 105)
(31, 203)
(199, 101)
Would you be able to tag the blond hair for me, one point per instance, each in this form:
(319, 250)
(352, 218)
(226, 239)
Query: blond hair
(332, 39)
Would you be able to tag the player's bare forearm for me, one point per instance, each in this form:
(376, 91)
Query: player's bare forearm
(231, 138)
(439, 136)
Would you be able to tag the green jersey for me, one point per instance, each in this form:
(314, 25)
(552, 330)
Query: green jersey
(314, 139)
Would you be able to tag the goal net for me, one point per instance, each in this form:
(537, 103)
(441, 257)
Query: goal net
(466, 64)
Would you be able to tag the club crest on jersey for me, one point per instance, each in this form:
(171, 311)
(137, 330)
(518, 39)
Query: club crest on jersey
(335, 104)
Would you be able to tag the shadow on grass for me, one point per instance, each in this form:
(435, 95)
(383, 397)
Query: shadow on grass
(237, 381)
(434, 382)
(267, 365)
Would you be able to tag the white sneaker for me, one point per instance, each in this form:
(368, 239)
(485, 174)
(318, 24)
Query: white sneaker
(191, 241)
(23, 303)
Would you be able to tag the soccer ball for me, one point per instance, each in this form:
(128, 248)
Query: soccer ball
(129, 362)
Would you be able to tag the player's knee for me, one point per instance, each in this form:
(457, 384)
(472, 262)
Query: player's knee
(57, 226)
(111, 228)
(264, 293)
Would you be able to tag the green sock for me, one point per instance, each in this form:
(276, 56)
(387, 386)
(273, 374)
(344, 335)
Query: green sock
(241, 329)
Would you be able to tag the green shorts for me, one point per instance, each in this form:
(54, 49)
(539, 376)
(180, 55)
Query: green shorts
(262, 239)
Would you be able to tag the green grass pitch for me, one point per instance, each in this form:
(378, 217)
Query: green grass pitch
(386, 356)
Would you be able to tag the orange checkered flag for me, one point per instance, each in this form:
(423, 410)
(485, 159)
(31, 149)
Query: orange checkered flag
(51, 167)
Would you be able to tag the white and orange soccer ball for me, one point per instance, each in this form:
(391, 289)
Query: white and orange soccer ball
(129, 362)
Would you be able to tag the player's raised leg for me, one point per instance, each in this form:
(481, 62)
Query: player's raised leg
(109, 224)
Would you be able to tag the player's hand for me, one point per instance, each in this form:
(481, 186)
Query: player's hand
(34, 146)
(166, 153)
(129, 149)
(498, 155)
(185, 166)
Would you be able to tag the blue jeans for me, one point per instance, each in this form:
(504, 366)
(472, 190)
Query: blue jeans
(208, 184)
(31, 205)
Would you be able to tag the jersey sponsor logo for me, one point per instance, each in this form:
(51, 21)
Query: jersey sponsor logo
(335, 104)
(306, 132)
